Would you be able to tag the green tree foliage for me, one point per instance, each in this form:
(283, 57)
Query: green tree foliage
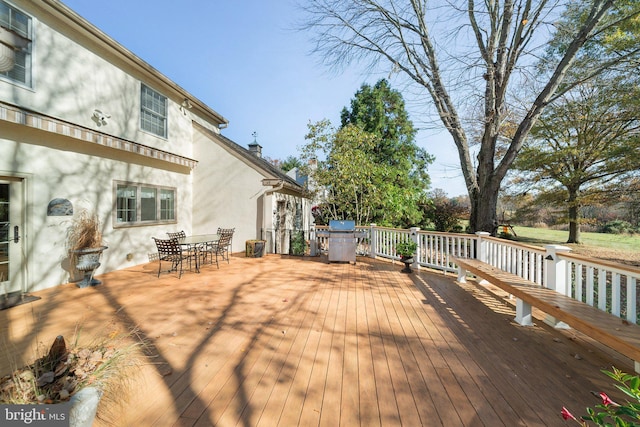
(631, 201)
(615, 42)
(381, 111)
(584, 147)
(475, 56)
(285, 165)
(445, 213)
(290, 163)
(371, 168)
(346, 174)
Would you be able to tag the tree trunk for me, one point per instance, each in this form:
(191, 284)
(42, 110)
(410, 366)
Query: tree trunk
(574, 232)
(574, 220)
(484, 204)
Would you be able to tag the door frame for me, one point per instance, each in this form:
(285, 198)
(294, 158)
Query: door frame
(17, 250)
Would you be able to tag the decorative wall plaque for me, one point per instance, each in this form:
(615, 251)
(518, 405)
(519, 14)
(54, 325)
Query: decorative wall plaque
(60, 207)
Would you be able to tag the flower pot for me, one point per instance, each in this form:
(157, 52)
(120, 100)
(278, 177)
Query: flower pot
(88, 262)
(407, 260)
(84, 405)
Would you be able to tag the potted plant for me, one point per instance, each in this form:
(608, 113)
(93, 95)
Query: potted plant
(85, 245)
(80, 376)
(406, 250)
(298, 244)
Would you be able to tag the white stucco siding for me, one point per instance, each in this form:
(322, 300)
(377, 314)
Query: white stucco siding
(71, 80)
(228, 192)
(84, 175)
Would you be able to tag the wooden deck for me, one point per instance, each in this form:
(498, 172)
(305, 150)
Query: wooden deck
(287, 341)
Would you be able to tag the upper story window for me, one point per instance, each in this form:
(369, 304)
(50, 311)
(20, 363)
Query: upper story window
(153, 111)
(16, 34)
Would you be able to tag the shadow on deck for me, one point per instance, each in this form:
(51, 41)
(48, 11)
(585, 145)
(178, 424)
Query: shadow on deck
(295, 341)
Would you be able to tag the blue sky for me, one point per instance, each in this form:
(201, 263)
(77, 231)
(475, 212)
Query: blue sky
(245, 60)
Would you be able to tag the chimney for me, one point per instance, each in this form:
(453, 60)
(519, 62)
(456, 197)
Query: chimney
(254, 147)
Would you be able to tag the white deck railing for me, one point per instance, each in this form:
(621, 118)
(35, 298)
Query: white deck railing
(522, 260)
(609, 286)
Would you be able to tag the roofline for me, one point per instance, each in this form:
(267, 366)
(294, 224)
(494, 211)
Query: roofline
(73, 20)
(15, 115)
(273, 176)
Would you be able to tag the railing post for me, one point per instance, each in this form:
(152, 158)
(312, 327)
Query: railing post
(555, 278)
(556, 270)
(372, 240)
(413, 235)
(313, 241)
(482, 250)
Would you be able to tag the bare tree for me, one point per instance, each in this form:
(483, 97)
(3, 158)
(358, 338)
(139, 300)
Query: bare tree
(489, 44)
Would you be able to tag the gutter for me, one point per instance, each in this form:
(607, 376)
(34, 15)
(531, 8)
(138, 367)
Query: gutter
(273, 189)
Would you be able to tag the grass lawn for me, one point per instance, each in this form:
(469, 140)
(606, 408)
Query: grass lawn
(616, 247)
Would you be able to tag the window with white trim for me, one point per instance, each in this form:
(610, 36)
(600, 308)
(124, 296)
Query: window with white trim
(167, 205)
(142, 204)
(17, 32)
(153, 111)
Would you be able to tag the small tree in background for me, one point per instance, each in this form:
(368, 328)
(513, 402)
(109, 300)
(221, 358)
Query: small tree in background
(369, 169)
(445, 213)
(352, 183)
(285, 165)
(290, 163)
(584, 147)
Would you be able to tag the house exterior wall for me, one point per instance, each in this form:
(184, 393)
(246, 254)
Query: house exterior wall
(284, 214)
(51, 143)
(85, 178)
(237, 198)
(233, 190)
(70, 79)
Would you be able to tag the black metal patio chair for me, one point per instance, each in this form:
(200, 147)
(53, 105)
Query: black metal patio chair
(189, 250)
(218, 249)
(228, 231)
(169, 250)
(177, 235)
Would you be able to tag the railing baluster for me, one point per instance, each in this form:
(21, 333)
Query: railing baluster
(590, 286)
(616, 290)
(632, 295)
(579, 281)
(615, 294)
(602, 289)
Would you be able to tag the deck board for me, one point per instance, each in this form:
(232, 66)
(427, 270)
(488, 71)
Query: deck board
(299, 383)
(367, 328)
(286, 341)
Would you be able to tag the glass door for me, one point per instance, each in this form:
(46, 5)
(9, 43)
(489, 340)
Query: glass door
(11, 260)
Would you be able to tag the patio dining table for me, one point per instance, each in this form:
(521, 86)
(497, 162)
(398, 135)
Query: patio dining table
(196, 242)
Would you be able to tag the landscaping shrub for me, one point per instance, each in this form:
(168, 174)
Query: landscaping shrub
(445, 215)
(617, 226)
